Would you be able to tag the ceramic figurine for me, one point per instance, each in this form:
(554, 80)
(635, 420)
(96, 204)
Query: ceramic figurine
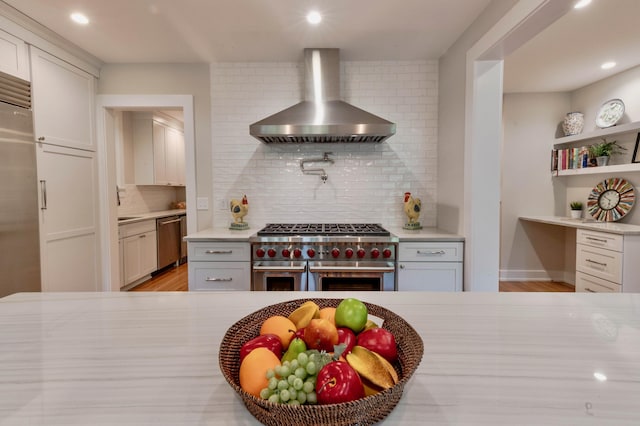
(239, 209)
(412, 210)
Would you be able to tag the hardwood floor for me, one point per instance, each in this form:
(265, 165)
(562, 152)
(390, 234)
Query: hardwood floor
(534, 286)
(174, 279)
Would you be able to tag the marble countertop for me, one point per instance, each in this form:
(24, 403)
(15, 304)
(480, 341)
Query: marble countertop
(138, 217)
(225, 234)
(152, 358)
(592, 225)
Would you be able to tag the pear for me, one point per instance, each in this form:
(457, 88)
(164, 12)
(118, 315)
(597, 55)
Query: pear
(370, 368)
(304, 314)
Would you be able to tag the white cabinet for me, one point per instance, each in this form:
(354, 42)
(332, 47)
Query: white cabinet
(14, 57)
(430, 266)
(158, 152)
(219, 266)
(607, 262)
(63, 102)
(68, 218)
(139, 250)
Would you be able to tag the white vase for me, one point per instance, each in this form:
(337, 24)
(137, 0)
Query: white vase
(576, 214)
(573, 123)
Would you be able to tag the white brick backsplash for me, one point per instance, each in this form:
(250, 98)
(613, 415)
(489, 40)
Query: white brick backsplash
(143, 199)
(367, 181)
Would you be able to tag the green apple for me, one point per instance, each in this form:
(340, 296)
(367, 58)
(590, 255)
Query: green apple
(351, 313)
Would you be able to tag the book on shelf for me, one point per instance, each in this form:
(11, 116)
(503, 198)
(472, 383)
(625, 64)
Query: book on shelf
(569, 158)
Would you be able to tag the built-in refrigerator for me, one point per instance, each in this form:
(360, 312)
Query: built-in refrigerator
(19, 210)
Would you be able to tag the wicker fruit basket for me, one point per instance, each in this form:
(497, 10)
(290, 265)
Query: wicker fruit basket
(365, 411)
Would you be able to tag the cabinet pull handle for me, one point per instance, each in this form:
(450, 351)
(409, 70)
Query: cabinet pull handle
(169, 221)
(589, 290)
(431, 252)
(401, 266)
(43, 190)
(218, 279)
(604, 265)
(41, 139)
(143, 236)
(219, 251)
(600, 240)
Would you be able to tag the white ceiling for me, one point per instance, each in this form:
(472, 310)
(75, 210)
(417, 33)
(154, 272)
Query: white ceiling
(568, 54)
(148, 31)
(564, 57)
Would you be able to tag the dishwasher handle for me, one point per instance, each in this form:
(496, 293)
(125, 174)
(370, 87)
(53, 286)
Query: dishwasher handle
(169, 221)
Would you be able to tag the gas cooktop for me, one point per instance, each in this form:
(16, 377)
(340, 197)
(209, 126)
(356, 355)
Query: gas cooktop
(328, 229)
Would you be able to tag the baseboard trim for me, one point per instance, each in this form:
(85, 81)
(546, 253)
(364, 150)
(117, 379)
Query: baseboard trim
(534, 275)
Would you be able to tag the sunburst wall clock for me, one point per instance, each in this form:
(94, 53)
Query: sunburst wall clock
(611, 200)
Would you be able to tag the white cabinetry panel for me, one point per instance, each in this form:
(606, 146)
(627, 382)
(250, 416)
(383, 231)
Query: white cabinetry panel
(218, 265)
(158, 152)
(430, 266)
(14, 57)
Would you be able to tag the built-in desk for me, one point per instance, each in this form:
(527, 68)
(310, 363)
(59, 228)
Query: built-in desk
(607, 254)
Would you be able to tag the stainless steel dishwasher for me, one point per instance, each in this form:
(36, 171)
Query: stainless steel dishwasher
(168, 229)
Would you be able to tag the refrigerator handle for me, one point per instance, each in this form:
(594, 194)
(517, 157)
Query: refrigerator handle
(43, 190)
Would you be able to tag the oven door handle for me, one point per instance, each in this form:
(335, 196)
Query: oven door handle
(351, 268)
(261, 268)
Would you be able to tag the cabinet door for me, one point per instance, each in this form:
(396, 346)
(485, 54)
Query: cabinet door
(68, 231)
(13, 56)
(173, 149)
(430, 276)
(160, 173)
(139, 256)
(63, 102)
(148, 253)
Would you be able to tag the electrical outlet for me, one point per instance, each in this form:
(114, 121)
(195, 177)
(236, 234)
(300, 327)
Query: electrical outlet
(202, 203)
(222, 204)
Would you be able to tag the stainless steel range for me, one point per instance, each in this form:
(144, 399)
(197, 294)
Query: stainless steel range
(323, 257)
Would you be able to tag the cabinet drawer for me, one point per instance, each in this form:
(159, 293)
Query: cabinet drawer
(600, 239)
(605, 264)
(219, 251)
(432, 276)
(590, 284)
(205, 276)
(136, 228)
(430, 252)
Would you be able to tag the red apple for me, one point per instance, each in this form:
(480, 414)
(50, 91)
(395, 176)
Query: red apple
(348, 337)
(381, 341)
(338, 382)
(299, 333)
(269, 341)
(321, 334)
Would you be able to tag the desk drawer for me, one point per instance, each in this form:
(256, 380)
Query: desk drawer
(430, 252)
(604, 264)
(219, 251)
(600, 239)
(589, 284)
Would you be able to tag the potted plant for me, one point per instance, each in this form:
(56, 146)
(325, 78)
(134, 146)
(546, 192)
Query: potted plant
(603, 150)
(576, 209)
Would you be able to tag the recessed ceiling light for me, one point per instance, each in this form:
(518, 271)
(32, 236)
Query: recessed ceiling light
(581, 4)
(79, 18)
(608, 65)
(314, 17)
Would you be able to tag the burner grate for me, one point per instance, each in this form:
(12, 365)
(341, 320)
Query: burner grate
(342, 229)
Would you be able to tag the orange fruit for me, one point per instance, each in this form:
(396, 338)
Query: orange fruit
(281, 326)
(328, 313)
(253, 370)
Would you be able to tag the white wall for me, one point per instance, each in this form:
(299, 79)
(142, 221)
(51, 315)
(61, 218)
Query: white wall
(367, 181)
(172, 79)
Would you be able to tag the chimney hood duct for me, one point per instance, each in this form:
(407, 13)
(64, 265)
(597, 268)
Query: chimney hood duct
(322, 117)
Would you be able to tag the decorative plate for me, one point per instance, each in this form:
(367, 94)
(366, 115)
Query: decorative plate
(610, 112)
(611, 200)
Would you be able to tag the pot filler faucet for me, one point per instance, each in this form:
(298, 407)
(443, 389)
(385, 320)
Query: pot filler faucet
(317, 171)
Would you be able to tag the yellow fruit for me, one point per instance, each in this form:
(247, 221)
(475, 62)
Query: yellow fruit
(281, 327)
(253, 370)
(370, 324)
(387, 365)
(304, 314)
(328, 313)
(369, 367)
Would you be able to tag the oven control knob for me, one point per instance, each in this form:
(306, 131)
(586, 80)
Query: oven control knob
(361, 253)
(297, 253)
(335, 252)
(260, 252)
(375, 253)
(348, 253)
(286, 253)
(386, 253)
(271, 253)
(311, 253)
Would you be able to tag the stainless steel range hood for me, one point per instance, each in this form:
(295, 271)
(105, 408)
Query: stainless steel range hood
(322, 117)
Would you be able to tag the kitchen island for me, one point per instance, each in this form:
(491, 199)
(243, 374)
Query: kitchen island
(152, 358)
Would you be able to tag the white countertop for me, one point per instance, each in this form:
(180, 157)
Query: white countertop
(137, 217)
(612, 227)
(149, 358)
(225, 234)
